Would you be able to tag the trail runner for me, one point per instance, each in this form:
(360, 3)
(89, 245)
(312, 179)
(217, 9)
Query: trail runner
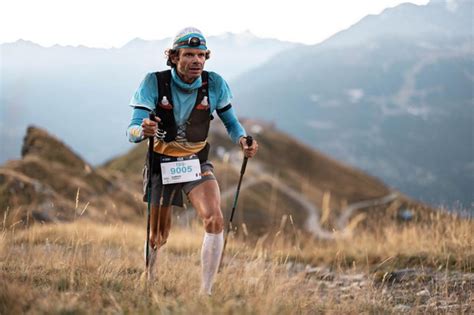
(184, 100)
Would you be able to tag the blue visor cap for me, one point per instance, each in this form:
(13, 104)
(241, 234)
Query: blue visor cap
(192, 40)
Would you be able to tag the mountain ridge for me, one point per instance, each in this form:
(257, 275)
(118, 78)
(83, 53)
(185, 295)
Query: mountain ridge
(386, 75)
(51, 183)
(407, 19)
(376, 103)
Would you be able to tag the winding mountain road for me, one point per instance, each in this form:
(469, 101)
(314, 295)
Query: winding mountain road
(313, 213)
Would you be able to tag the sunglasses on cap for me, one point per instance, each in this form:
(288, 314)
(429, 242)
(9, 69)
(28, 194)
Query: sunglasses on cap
(192, 42)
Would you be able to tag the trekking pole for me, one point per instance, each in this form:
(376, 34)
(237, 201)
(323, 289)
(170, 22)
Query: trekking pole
(249, 141)
(151, 141)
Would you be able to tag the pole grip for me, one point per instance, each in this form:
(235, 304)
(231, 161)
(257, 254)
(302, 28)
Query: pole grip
(152, 117)
(248, 141)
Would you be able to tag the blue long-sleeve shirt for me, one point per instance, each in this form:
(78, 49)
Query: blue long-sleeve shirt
(146, 96)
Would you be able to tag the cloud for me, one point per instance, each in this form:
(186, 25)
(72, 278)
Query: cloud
(355, 95)
(322, 102)
(315, 98)
(452, 5)
(419, 111)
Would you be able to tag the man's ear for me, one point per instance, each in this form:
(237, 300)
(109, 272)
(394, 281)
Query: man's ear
(175, 58)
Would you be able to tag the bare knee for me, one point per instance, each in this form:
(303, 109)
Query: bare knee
(214, 222)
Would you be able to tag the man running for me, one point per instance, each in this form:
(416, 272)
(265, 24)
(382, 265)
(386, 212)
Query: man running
(184, 99)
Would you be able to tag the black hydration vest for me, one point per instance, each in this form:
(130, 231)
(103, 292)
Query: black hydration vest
(197, 125)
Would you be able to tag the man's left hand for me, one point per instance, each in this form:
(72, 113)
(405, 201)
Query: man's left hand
(248, 151)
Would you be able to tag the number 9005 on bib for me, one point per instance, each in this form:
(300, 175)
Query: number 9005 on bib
(180, 169)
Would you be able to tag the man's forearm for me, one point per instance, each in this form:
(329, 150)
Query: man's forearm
(232, 124)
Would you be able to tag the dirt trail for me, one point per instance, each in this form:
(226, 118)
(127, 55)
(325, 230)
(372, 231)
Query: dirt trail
(256, 173)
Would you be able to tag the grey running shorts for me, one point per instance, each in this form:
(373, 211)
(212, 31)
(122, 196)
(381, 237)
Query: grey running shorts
(172, 193)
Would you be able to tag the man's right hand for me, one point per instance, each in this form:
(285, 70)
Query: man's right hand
(149, 127)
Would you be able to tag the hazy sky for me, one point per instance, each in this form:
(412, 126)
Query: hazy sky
(112, 23)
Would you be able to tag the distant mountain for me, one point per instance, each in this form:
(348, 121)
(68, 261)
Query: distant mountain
(51, 183)
(82, 94)
(437, 19)
(392, 95)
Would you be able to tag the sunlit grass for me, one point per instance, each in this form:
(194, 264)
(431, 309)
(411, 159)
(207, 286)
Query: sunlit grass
(85, 267)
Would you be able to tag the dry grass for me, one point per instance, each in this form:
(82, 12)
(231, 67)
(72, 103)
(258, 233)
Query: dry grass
(443, 243)
(85, 267)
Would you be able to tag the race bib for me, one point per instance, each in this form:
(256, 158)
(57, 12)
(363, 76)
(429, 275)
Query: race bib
(180, 169)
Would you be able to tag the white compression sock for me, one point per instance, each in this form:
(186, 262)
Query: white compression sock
(152, 266)
(210, 257)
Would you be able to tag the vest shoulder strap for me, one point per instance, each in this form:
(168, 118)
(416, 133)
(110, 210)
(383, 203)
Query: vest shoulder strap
(204, 89)
(205, 79)
(164, 84)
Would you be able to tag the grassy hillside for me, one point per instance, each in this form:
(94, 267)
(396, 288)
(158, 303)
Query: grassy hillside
(88, 259)
(284, 156)
(84, 267)
(287, 179)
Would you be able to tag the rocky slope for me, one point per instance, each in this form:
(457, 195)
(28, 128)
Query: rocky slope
(52, 183)
(286, 182)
